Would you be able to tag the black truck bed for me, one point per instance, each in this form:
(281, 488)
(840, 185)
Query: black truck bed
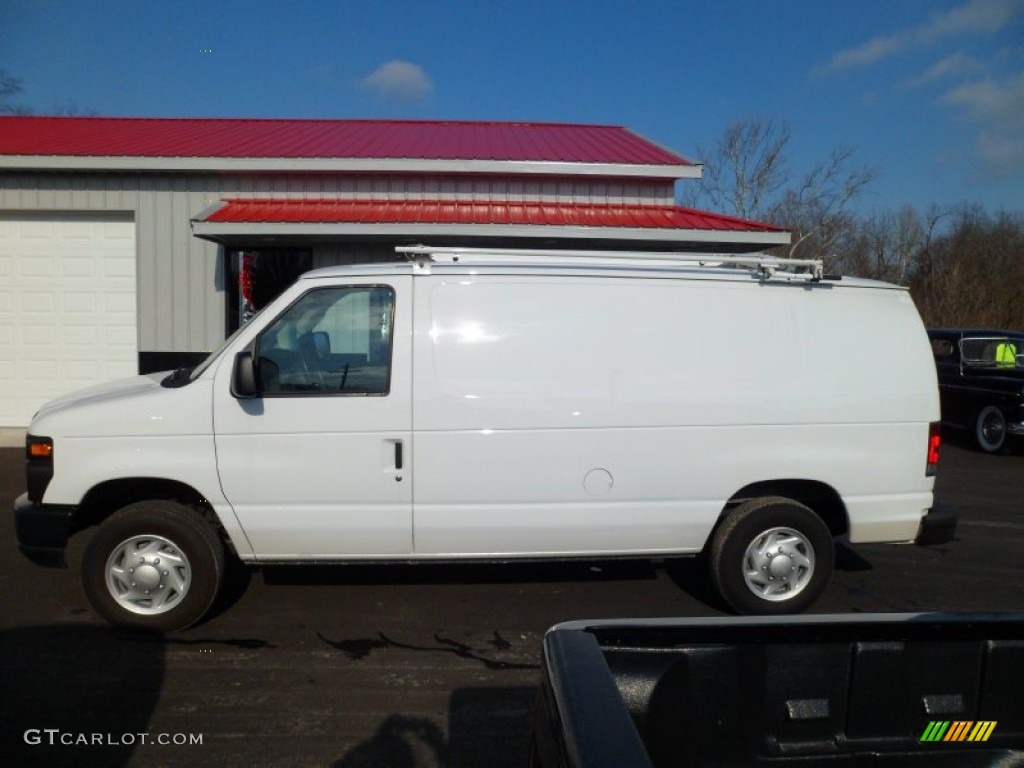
(851, 690)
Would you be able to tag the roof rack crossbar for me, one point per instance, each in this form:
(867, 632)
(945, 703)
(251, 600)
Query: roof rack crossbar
(760, 264)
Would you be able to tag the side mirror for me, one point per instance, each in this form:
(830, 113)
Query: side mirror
(244, 381)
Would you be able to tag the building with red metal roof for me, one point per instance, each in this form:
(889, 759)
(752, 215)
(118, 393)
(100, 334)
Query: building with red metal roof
(367, 145)
(133, 236)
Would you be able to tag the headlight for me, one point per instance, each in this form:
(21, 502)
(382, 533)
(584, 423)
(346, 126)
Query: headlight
(38, 448)
(38, 465)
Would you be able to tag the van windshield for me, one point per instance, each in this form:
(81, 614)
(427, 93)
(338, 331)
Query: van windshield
(208, 361)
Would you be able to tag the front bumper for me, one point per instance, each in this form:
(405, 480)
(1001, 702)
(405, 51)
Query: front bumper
(938, 526)
(42, 530)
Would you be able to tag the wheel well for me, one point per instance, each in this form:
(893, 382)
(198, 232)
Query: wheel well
(819, 497)
(106, 498)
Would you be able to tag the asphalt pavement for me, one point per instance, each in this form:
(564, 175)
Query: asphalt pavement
(403, 666)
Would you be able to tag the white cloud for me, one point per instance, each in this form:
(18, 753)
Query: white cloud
(398, 81)
(975, 17)
(957, 65)
(978, 16)
(1003, 154)
(999, 102)
(871, 51)
(998, 109)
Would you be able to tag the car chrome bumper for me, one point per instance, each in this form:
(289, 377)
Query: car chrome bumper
(938, 526)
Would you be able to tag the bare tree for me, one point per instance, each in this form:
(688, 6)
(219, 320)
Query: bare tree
(745, 170)
(71, 109)
(971, 273)
(747, 174)
(883, 245)
(10, 89)
(816, 208)
(896, 239)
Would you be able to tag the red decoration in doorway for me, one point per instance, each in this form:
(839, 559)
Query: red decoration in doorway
(245, 281)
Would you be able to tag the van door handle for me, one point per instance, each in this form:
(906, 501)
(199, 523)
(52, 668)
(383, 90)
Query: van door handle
(398, 454)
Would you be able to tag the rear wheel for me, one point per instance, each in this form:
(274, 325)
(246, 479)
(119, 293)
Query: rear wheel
(154, 565)
(990, 429)
(771, 555)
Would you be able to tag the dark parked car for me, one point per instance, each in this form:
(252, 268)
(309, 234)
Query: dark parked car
(981, 382)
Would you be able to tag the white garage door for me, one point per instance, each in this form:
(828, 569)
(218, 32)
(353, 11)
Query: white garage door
(67, 307)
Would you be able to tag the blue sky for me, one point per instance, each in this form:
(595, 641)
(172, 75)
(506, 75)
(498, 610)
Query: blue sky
(929, 92)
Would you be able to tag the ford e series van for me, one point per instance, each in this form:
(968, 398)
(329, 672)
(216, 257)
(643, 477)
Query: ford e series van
(471, 405)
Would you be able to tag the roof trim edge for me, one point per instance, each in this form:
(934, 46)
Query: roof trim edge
(345, 165)
(213, 230)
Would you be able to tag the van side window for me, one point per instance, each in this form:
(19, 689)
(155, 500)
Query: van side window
(330, 341)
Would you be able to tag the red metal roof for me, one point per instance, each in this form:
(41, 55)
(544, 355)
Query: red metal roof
(359, 139)
(477, 212)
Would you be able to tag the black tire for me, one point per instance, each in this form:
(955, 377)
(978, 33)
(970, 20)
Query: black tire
(168, 547)
(737, 548)
(990, 429)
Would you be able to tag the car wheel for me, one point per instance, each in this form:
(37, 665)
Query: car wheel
(990, 429)
(771, 555)
(153, 565)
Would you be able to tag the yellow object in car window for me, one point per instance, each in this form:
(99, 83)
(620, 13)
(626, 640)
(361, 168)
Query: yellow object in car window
(1006, 355)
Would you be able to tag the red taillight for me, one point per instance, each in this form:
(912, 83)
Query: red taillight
(934, 443)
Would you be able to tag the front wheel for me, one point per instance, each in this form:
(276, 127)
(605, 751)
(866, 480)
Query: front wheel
(153, 565)
(990, 429)
(770, 556)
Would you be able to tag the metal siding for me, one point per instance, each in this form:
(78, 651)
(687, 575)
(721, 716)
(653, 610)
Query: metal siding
(333, 254)
(177, 255)
(206, 264)
(145, 243)
(446, 187)
(157, 260)
(202, 265)
(180, 299)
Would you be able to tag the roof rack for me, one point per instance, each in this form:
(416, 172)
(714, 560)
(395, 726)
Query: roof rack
(761, 265)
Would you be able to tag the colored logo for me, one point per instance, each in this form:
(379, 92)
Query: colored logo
(958, 730)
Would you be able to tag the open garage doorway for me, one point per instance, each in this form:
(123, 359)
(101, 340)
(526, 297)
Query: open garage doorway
(258, 276)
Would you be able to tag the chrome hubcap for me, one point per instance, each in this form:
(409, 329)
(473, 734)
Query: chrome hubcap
(148, 574)
(778, 564)
(992, 428)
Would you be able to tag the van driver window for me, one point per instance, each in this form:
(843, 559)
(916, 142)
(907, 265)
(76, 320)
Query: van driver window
(331, 341)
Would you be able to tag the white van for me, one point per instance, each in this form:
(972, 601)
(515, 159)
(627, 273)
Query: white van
(499, 405)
